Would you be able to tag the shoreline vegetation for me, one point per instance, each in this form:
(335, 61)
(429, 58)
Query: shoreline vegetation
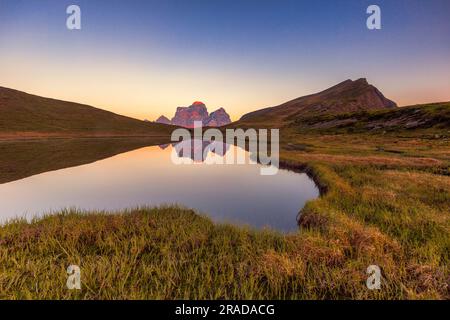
(385, 200)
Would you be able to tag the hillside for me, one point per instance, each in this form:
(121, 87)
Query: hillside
(26, 115)
(345, 97)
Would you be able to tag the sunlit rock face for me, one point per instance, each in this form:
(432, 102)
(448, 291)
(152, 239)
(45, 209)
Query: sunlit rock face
(187, 116)
(218, 118)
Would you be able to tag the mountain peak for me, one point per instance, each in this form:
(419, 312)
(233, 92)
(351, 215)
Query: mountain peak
(346, 85)
(347, 96)
(351, 95)
(218, 118)
(186, 116)
(163, 119)
(361, 80)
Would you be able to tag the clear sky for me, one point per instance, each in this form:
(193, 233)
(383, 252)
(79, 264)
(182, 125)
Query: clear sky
(145, 58)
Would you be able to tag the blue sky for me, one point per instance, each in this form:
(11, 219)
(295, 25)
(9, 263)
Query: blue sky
(144, 58)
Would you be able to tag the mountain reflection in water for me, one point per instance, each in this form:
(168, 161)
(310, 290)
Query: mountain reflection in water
(147, 176)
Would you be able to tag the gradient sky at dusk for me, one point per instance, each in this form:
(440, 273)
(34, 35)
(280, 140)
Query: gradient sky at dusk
(145, 58)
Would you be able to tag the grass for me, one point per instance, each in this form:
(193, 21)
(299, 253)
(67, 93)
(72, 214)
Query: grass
(385, 201)
(172, 253)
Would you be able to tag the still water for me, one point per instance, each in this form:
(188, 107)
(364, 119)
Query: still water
(148, 176)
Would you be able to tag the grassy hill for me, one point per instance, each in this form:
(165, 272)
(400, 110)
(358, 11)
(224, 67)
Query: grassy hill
(23, 115)
(351, 106)
(347, 96)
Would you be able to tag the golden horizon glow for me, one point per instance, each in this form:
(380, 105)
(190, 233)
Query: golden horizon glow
(145, 60)
(129, 91)
(148, 85)
(138, 106)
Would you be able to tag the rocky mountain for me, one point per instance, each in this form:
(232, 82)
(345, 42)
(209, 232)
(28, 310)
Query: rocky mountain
(186, 116)
(163, 120)
(348, 96)
(218, 118)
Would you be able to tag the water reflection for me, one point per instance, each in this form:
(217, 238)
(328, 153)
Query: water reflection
(198, 150)
(147, 176)
(21, 159)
